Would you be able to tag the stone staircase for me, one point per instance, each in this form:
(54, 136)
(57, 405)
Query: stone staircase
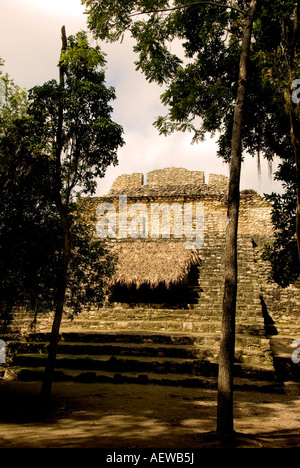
(283, 334)
(157, 358)
(160, 346)
(280, 310)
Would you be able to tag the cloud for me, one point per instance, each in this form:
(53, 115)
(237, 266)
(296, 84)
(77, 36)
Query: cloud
(57, 8)
(30, 38)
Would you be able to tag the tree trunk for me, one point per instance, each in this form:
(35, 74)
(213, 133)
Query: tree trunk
(62, 275)
(295, 140)
(297, 156)
(293, 113)
(225, 427)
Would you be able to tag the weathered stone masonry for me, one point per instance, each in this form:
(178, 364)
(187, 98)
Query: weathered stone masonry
(176, 185)
(190, 302)
(259, 300)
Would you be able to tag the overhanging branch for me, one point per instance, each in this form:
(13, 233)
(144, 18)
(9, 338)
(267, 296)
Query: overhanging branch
(181, 7)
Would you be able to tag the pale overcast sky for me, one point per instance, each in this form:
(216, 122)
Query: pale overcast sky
(30, 45)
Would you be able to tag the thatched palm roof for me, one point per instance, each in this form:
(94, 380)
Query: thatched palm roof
(153, 263)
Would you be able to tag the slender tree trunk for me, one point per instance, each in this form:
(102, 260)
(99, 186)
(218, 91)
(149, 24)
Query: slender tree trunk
(296, 135)
(293, 113)
(295, 140)
(62, 275)
(297, 155)
(227, 346)
(295, 117)
(45, 393)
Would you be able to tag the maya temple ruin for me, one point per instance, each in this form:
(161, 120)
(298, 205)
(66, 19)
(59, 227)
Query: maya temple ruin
(161, 319)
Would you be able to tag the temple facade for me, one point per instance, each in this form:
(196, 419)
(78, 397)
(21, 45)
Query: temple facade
(167, 230)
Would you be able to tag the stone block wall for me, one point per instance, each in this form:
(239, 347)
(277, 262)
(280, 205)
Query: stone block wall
(255, 215)
(171, 191)
(166, 178)
(218, 182)
(171, 194)
(126, 181)
(175, 176)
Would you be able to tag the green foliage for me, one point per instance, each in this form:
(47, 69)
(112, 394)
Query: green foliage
(153, 38)
(277, 58)
(89, 136)
(79, 58)
(283, 253)
(13, 101)
(193, 48)
(31, 241)
(110, 19)
(29, 229)
(197, 79)
(32, 172)
(91, 265)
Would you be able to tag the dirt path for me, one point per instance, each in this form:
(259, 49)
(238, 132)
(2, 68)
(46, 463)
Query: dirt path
(137, 416)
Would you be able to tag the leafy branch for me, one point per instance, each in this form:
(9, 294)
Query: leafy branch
(181, 7)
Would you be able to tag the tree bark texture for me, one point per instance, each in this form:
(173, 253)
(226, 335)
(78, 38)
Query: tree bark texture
(293, 113)
(290, 40)
(295, 140)
(294, 117)
(46, 389)
(62, 275)
(225, 426)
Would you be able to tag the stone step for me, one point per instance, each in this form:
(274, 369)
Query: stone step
(167, 321)
(286, 329)
(205, 309)
(142, 352)
(183, 380)
(133, 361)
(207, 312)
(116, 364)
(256, 354)
(163, 326)
(286, 356)
(112, 364)
(98, 339)
(78, 375)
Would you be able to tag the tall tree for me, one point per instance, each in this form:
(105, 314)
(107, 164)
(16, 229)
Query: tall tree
(32, 243)
(208, 82)
(283, 252)
(73, 131)
(272, 124)
(278, 35)
(13, 100)
(225, 381)
(20, 196)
